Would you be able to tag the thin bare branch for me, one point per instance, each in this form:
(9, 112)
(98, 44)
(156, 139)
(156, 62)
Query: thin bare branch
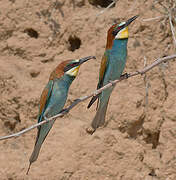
(172, 29)
(77, 101)
(152, 19)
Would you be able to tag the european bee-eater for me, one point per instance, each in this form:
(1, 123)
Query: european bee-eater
(112, 65)
(53, 98)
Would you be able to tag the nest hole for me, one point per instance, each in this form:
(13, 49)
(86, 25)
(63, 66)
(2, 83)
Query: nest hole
(74, 43)
(102, 3)
(32, 33)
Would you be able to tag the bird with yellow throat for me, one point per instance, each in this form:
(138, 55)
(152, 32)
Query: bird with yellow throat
(112, 65)
(53, 99)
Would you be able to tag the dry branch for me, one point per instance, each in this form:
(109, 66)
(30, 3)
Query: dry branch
(172, 30)
(65, 111)
(151, 19)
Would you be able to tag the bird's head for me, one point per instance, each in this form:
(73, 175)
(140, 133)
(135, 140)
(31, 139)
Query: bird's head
(69, 67)
(118, 31)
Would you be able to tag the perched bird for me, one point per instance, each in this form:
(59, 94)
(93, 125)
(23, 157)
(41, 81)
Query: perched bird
(53, 98)
(112, 65)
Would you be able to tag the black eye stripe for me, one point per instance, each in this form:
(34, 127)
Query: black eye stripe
(70, 66)
(118, 29)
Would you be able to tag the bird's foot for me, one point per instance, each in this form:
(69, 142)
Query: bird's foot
(126, 76)
(90, 130)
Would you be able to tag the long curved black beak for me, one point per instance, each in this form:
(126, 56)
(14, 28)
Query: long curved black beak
(83, 60)
(129, 21)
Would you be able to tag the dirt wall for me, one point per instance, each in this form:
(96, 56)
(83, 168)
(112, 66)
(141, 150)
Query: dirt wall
(138, 141)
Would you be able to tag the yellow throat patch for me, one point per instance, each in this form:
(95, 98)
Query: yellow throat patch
(73, 71)
(123, 34)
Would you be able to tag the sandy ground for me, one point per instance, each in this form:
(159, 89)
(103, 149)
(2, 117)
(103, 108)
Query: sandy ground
(138, 141)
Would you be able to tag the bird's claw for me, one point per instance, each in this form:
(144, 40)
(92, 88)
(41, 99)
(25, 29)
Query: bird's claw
(126, 76)
(90, 130)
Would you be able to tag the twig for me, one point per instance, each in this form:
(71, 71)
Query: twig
(151, 19)
(109, 6)
(172, 30)
(77, 101)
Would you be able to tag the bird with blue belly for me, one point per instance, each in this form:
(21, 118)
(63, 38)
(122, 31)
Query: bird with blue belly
(112, 65)
(53, 98)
